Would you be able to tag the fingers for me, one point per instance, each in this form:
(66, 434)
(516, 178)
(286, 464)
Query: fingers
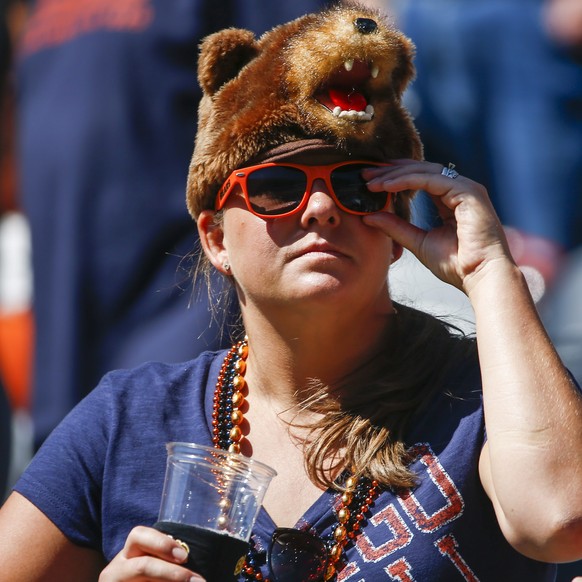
(149, 555)
(470, 234)
(427, 176)
(450, 195)
(401, 231)
(146, 540)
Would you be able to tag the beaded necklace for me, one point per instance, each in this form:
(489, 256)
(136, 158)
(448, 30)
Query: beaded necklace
(353, 503)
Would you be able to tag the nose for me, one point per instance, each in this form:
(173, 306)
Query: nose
(321, 207)
(365, 25)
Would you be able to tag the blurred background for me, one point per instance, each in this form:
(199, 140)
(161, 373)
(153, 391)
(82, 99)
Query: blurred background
(97, 122)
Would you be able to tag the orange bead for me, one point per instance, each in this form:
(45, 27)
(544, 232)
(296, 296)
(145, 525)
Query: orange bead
(236, 417)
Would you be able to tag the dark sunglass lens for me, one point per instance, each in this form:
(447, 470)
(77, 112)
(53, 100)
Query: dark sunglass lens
(297, 556)
(276, 190)
(352, 192)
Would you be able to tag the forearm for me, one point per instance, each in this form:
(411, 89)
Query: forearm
(533, 416)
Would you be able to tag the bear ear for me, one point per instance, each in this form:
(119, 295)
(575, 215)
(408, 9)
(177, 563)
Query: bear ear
(405, 70)
(222, 55)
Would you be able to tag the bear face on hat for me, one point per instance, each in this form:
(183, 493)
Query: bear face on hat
(336, 76)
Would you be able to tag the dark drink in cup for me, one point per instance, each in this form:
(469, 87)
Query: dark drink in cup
(216, 556)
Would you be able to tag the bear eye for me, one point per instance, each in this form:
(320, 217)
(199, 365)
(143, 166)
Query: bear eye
(365, 25)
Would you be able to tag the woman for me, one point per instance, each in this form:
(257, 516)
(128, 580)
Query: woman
(459, 469)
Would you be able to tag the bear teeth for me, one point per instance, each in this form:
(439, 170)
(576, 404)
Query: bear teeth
(349, 65)
(354, 115)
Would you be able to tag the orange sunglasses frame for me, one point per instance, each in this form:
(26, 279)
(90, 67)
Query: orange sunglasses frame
(312, 173)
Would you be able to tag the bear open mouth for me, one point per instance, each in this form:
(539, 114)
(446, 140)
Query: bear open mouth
(343, 93)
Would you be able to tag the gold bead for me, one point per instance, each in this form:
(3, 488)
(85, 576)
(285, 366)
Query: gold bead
(235, 434)
(224, 503)
(343, 515)
(347, 497)
(222, 521)
(237, 399)
(234, 448)
(236, 416)
(243, 351)
(240, 366)
(351, 482)
(238, 382)
(335, 553)
(330, 572)
(340, 533)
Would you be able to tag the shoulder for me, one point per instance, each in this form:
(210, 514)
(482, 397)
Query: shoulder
(156, 381)
(140, 400)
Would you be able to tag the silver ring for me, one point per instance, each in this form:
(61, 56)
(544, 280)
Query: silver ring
(449, 171)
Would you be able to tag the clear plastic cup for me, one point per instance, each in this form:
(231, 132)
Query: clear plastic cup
(210, 502)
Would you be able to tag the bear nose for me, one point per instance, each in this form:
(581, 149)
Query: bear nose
(365, 25)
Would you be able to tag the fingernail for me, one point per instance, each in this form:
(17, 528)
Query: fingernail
(180, 554)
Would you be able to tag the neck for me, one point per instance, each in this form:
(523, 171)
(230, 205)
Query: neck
(284, 358)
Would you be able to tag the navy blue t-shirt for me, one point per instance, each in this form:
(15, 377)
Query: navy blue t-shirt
(101, 473)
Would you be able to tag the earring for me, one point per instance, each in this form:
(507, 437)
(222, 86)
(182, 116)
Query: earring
(226, 267)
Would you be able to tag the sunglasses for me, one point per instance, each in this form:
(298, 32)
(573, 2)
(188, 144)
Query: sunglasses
(296, 556)
(278, 190)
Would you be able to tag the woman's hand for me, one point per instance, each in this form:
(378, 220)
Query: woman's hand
(149, 555)
(471, 236)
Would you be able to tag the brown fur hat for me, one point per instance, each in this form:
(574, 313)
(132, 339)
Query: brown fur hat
(336, 76)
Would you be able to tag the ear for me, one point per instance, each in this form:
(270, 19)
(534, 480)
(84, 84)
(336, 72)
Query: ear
(404, 72)
(211, 238)
(222, 56)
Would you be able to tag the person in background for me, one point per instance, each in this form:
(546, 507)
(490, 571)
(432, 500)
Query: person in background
(499, 90)
(106, 98)
(7, 204)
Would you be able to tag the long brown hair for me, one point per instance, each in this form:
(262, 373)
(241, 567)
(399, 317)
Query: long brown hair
(363, 423)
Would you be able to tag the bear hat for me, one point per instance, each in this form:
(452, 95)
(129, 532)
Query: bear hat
(333, 80)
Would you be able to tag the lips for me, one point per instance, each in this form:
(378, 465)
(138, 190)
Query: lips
(319, 247)
(344, 91)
